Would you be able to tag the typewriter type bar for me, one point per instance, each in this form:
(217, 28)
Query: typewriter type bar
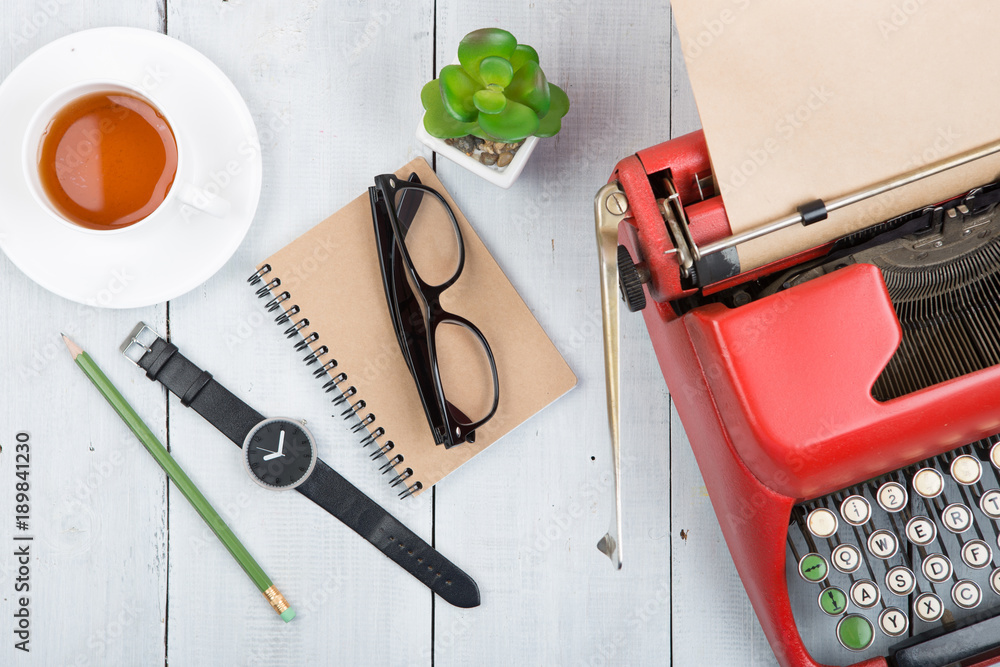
(818, 210)
(697, 245)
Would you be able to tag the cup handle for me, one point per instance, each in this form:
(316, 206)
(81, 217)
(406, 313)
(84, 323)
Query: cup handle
(193, 196)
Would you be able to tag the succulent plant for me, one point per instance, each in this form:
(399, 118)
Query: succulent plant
(498, 92)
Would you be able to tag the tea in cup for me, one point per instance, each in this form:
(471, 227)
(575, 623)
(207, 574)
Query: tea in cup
(103, 157)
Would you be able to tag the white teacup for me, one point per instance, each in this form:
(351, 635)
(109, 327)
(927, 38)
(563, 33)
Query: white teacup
(182, 190)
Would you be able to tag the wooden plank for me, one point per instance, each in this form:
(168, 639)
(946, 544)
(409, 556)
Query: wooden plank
(526, 515)
(707, 590)
(332, 89)
(97, 500)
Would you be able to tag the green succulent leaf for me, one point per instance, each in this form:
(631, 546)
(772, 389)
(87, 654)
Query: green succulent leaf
(530, 88)
(457, 89)
(480, 44)
(522, 54)
(489, 101)
(551, 122)
(499, 92)
(437, 121)
(514, 123)
(496, 71)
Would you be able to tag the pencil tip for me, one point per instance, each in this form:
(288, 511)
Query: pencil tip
(73, 348)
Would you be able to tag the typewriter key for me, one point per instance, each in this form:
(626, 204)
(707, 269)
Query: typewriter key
(957, 518)
(900, 580)
(966, 470)
(813, 568)
(921, 531)
(892, 497)
(893, 622)
(977, 554)
(883, 544)
(928, 483)
(928, 607)
(995, 581)
(995, 455)
(990, 504)
(937, 568)
(865, 593)
(822, 522)
(856, 511)
(855, 632)
(966, 594)
(846, 558)
(833, 601)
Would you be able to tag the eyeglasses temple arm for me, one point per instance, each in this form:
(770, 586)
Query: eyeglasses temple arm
(409, 202)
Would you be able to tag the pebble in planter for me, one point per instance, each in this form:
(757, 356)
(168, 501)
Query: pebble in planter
(492, 106)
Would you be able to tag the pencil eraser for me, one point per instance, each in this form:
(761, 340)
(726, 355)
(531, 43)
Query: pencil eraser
(288, 615)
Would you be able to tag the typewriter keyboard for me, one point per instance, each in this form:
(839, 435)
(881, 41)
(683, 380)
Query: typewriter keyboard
(911, 551)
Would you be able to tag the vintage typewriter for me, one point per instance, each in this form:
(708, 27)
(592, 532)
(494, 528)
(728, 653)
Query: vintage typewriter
(843, 404)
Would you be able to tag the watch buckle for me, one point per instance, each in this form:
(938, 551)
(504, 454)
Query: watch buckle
(138, 342)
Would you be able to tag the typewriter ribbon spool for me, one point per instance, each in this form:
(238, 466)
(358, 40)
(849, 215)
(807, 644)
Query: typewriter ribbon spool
(336, 380)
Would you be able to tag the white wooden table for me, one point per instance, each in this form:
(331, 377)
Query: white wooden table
(125, 573)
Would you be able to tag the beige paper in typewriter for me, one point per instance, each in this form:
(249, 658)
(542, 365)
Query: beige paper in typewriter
(806, 100)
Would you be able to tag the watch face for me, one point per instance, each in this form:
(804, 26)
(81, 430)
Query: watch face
(279, 453)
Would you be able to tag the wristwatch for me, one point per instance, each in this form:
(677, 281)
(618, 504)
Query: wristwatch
(280, 454)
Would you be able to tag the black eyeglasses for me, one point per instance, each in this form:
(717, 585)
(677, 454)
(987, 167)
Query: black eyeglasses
(421, 254)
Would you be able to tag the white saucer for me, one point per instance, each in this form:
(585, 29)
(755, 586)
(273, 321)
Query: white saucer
(173, 253)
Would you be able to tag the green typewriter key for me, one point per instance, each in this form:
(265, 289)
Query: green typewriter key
(833, 601)
(813, 568)
(855, 632)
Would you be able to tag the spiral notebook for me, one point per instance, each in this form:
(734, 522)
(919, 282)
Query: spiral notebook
(326, 290)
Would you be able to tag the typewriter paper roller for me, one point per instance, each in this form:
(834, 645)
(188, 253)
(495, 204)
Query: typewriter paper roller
(803, 101)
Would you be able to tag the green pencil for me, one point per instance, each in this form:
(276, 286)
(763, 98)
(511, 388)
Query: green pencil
(181, 480)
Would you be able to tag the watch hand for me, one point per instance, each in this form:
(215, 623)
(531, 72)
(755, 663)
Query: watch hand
(281, 443)
(271, 453)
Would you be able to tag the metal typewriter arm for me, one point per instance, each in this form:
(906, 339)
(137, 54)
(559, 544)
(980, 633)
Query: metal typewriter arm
(610, 208)
(816, 211)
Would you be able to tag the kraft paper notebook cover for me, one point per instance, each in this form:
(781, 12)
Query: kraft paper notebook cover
(332, 281)
(805, 100)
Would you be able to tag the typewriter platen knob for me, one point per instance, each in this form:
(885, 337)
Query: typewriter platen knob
(630, 280)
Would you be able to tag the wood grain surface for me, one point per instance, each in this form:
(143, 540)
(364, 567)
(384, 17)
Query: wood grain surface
(125, 572)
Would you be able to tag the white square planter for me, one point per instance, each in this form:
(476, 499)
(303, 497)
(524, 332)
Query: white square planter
(503, 176)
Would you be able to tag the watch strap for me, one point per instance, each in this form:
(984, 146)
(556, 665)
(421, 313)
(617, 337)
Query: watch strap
(328, 489)
(198, 390)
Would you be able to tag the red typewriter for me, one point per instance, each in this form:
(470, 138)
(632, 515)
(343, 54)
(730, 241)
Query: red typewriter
(843, 405)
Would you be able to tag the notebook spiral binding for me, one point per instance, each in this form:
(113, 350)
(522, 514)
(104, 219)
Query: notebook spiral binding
(334, 383)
